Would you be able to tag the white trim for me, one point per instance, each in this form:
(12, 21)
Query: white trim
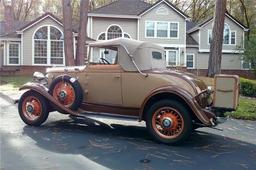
(198, 28)
(172, 45)
(245, 29)
(48, 47)
(199, 39)
(193, 61)
(156, 4)
(8, 55)
(138, 29)
(19, 32)
(113, 16)
(185, 49)
(5, 54)
(168, 30)
(21, 51)
(223, 51)
(10, 39)
(177, 57)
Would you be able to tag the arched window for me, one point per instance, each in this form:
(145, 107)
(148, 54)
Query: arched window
(48, 46)
(102, 36)
(114, 32)
(226, 36)
(126, 35)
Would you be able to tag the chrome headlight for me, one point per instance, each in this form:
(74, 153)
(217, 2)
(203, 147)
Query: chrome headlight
(39, 77)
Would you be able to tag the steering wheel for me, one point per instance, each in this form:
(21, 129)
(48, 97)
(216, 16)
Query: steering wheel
(105, 61)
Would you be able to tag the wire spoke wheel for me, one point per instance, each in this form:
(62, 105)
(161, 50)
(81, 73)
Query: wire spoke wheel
(64, 93)
(167, 122)
(31, 108)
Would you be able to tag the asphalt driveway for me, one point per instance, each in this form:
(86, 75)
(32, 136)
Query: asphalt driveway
(62, 143)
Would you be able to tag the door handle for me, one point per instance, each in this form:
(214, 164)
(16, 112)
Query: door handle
(117, 77)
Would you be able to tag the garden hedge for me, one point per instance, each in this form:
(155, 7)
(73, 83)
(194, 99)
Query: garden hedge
(248, 87)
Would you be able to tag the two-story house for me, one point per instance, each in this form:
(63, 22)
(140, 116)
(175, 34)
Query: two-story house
(38, 44)
(187, 45)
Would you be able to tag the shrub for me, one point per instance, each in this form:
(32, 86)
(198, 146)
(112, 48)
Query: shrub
(248, 87)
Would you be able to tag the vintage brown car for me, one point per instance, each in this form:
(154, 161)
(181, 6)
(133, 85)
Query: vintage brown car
(130, 81)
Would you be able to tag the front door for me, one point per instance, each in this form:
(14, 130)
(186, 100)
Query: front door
(103, 84)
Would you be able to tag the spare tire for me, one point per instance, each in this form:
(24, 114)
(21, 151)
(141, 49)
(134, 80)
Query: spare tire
(67, 91)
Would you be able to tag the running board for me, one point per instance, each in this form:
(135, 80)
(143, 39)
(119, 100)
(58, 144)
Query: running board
(95, 115)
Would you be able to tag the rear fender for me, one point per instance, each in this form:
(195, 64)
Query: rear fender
(42, 90)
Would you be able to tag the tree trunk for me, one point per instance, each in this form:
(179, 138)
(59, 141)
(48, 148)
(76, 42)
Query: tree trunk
(214, 64)
(68, 33)
(81, 51)
(246, 18)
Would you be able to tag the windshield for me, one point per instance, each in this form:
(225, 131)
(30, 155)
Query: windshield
(99, 55)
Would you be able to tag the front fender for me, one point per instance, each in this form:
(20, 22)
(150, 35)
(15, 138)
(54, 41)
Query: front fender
(42, 90)
(203, 115)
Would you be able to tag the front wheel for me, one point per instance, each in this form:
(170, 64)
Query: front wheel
(33, 108)
(169, 121)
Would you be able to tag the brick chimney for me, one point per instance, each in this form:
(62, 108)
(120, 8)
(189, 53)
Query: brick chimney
(8, 16)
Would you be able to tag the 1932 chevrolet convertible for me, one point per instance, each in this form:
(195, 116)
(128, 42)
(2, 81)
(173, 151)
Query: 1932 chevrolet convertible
(130, 81)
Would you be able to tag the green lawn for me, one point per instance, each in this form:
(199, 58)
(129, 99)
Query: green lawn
(246, 109)
(13, 82)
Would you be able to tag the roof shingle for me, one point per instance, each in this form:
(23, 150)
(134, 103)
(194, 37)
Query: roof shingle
(123, 7)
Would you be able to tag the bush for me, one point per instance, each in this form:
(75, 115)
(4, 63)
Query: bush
(248, 87)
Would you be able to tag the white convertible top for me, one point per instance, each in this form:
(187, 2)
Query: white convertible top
(142, 53)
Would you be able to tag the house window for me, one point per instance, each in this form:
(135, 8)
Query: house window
(229, 37)
(171, 57)
(162, 29)
(114, 32)
(14, 54)
(173, 30)
(246, 65)
(126, 35)
(233, 37)
(48, 46)
(209, 36)
(102, 36)
(226, 34)
(150, 29)
(190, 60)
(157, 29)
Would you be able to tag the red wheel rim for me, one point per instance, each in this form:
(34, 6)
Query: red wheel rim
(167, 122)
(64, 93)
(31, 108)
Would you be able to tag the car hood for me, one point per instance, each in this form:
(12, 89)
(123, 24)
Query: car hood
(197, 84)
(65, 69)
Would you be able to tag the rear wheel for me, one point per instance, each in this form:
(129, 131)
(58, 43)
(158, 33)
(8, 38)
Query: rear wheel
(169, 122)
(33, 108)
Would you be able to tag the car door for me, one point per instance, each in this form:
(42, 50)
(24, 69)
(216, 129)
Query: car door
(103, 84)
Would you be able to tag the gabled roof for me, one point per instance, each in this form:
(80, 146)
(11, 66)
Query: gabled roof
(201, 24)
(129, 8)
(12, 34)
(42, 17)
(169, 4)
(190, 41)
(123, 7)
